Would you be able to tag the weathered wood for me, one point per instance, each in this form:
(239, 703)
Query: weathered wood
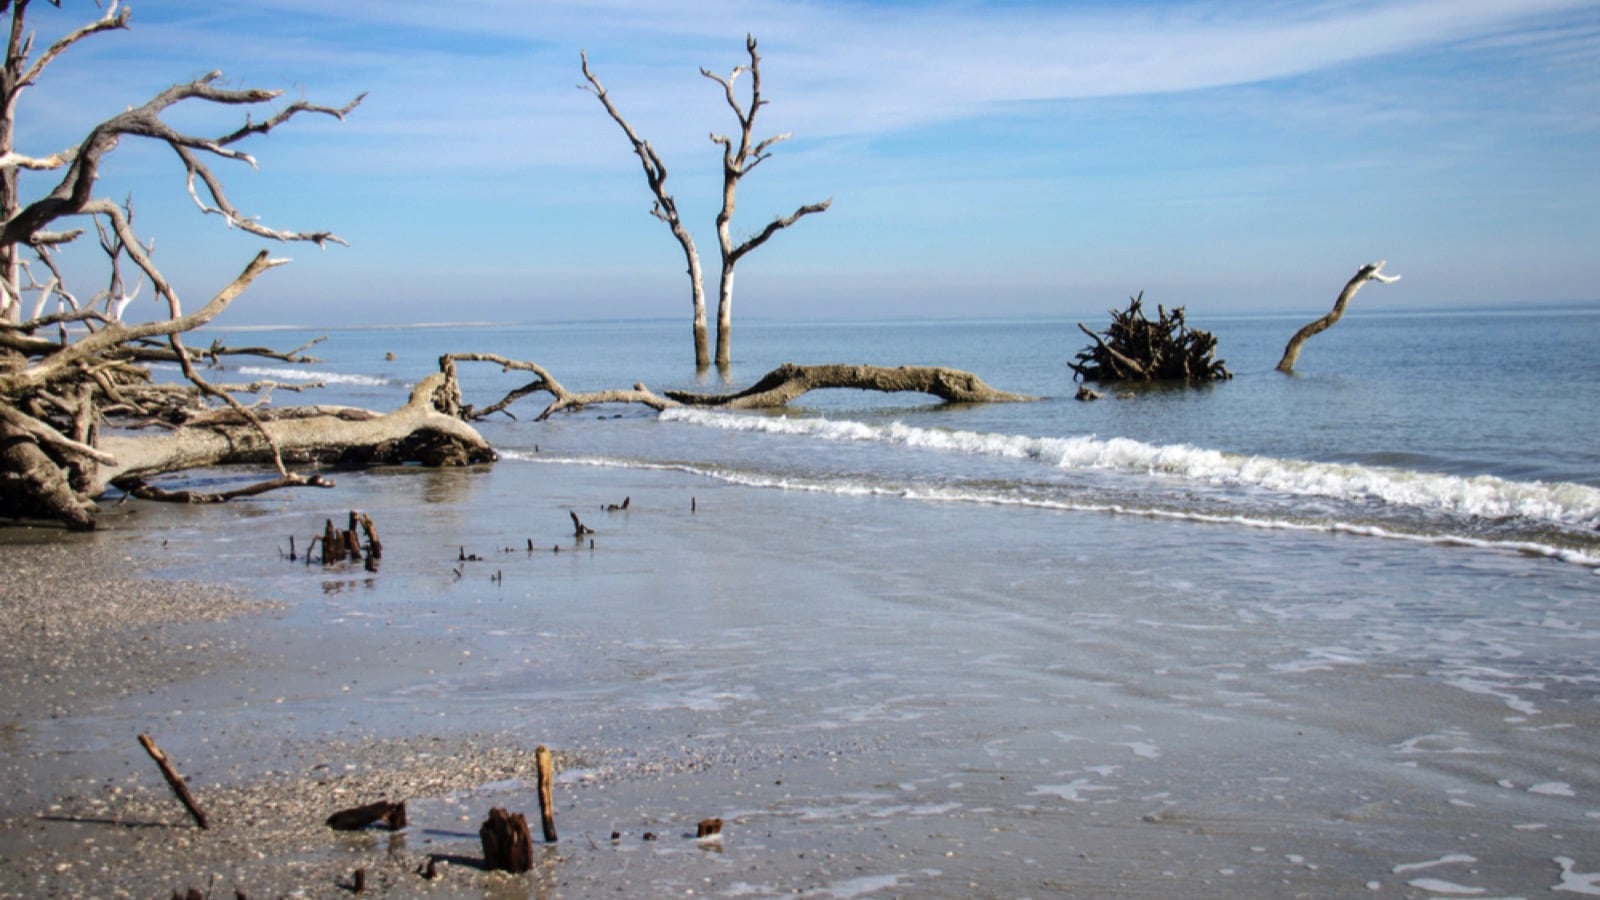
(174, 780)
(1368, 272)
(708, 828)
(507, 843)
(789, 381)
(739, 158)
(547, 778)
(1134, 348)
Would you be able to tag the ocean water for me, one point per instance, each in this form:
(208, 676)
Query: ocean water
(1319, 635)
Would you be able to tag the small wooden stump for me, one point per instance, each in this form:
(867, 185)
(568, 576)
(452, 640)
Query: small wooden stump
(507, 843)
(547, 777)
(709, 828)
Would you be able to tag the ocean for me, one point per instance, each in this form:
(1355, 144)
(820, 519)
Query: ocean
(1314, 635)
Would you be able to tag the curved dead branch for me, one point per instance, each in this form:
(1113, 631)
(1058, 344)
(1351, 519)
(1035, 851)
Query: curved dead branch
(1368, 272)
(544, 382)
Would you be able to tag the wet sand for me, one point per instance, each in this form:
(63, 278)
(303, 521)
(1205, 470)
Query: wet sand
(1052, 723)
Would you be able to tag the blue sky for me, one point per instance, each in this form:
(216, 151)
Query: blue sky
(1014, 158)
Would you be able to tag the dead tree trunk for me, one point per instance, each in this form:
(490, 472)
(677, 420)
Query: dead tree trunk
(789, 381)
(1368, 272)
(738, 159)
(736, 163)
(55, 394)
(665, 209)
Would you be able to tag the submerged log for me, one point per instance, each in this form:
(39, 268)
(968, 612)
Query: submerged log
(1368, 272)
(789, 381)
(507, 843)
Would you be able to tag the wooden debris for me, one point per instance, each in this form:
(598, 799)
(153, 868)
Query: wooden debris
(1137, 349)
(174, 780)
(391, 815)
(578, 528)
(708, 828)
(547, 778)
(507, 843)
(619, 507)
(359, 880)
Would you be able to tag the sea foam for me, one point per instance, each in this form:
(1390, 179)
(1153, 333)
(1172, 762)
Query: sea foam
(1564, 505)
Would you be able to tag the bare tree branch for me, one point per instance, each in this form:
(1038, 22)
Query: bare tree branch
(1368, 272)
(665, 209)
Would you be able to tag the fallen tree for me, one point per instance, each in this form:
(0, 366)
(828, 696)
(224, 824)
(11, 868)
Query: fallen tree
(789, 381)
(1368, 272)
(1137, 349)
(75, 408)
(777, 388)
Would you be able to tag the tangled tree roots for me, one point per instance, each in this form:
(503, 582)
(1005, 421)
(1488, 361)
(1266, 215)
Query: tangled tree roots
(1137, 349)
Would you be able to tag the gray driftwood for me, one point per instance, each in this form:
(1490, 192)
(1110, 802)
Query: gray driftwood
(1368, 272)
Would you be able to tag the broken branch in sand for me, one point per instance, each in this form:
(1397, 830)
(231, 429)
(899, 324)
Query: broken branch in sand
(174, 780)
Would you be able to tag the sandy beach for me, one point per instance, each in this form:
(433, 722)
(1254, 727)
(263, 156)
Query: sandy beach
(1029, 718)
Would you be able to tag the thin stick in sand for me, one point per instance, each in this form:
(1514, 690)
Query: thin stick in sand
(174, 780)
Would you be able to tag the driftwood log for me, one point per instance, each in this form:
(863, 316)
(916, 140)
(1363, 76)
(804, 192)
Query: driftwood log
(789, 381)
(1134, 348)
(777, 388)
(1368, 272)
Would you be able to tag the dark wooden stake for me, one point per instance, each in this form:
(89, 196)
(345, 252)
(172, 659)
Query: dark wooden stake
(174, 780)
(578, 528)
(507, 844)
(374, 546)
(547, 778)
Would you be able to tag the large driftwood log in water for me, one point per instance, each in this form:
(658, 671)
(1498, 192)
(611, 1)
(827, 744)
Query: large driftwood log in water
(789, 381)
(777, 388)
(1368, 272)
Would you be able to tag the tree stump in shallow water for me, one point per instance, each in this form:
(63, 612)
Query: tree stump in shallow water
(1137, 349)
(507, 843)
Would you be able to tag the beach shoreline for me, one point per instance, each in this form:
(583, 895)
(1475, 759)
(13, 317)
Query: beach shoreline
(1057, 720)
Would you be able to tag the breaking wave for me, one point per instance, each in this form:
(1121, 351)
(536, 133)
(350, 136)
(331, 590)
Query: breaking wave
(1562, 505)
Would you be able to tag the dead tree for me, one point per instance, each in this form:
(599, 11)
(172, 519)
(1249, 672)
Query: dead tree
(777, 388)
(784, 384)
(1368, 272)
(1137, 349)
(57, 392)
(665, 209)
(739, 157)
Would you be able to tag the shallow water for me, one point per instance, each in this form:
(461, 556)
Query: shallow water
(1026, 700)
(1177, 644)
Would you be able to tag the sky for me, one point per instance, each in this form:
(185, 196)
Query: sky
(984, 158)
